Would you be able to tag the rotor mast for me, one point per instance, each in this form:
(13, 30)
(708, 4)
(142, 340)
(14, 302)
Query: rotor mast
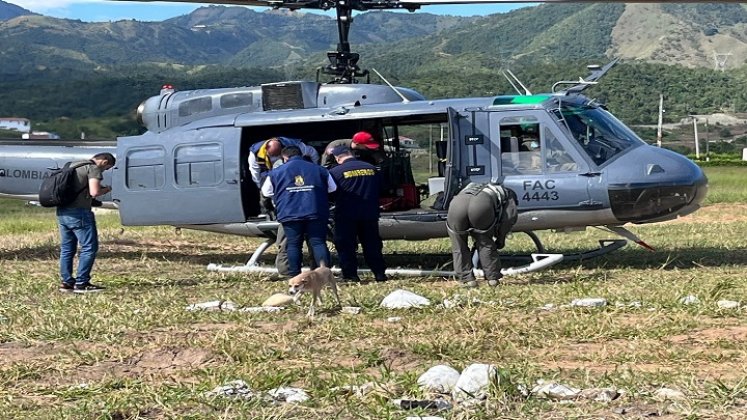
(343, 64)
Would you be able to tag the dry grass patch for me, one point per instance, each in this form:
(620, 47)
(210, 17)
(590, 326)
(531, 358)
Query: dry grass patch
(135, 352)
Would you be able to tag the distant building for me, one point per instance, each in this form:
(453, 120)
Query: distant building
(18, 124)
(404, 142)
(40, 135)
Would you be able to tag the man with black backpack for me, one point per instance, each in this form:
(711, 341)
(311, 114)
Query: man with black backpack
(78, 225)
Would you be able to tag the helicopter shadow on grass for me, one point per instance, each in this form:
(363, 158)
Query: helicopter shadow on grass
(52, 252)
(662, 259)
(627, 258)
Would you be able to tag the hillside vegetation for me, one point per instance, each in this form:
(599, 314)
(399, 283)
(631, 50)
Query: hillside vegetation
(60, 70)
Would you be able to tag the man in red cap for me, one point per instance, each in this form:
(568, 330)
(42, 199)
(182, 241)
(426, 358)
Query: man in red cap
(363, 146)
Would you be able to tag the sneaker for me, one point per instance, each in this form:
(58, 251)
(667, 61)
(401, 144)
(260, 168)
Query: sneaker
(66, 288)
(469, 284)
(88, 288)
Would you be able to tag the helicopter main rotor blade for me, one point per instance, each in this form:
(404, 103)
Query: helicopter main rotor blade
(435, 2)
(400, 4)
(288, 4)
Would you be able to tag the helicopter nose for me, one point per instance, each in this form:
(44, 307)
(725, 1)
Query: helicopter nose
(651, 184)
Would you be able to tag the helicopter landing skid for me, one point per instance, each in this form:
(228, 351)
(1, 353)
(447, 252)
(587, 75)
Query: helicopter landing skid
(538, 262)
(605, 246)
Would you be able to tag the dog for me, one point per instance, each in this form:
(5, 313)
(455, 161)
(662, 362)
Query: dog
(313, 281)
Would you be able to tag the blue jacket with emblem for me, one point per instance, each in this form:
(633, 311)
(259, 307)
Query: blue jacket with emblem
(300, 191)
(357, 195)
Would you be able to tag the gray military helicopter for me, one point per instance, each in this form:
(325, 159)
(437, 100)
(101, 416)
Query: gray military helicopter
(571, 163)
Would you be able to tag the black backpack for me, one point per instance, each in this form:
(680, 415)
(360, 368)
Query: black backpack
(61, 188)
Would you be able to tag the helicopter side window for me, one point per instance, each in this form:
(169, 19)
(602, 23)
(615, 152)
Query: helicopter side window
(520, 146)
(557, 158)
(236, 99)
(144, 168)
(195, 106)
(198, 165)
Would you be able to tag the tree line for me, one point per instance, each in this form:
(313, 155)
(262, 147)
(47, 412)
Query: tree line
(104, 102)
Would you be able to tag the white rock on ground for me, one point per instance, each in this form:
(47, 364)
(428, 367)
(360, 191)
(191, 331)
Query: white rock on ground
(401, 299)
(237, 388)
(214, 305)
(353, 310)
(728, 304)
(288, 394)
(589, 302)
(474, 381)
(668, 394)
(278, 299)
(260, 309)
(394, 319)
(555, 391)
(689, 300)
(440, 379)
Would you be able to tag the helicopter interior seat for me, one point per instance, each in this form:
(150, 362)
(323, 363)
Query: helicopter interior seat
(510, 155)
(398, 188)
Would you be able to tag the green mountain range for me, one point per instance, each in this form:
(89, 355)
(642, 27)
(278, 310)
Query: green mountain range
(54, 68)
(684, 34)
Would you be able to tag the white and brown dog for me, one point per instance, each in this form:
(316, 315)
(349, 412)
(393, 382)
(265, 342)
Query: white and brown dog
(313, 281)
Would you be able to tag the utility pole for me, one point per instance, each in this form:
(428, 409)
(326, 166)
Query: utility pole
(430, 149)
(708, 157)
(695, 131)
(661, 113)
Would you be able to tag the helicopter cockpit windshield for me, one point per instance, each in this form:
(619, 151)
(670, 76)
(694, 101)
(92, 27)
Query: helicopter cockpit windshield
(600, 134)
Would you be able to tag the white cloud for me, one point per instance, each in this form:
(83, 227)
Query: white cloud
(42, 5)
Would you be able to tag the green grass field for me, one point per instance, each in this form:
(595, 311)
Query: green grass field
(135, 352)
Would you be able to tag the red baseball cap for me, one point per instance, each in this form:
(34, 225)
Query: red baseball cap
(365, 139)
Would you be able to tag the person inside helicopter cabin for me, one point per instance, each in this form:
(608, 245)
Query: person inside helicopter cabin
(486, 212)
(263, 155)
(363, 146)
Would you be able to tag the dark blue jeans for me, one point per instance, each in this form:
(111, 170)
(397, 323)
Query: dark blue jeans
(77, 227)
(348, 232)
(316, 233)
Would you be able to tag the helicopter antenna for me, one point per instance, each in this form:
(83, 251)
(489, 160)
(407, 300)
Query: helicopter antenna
(596, 73)
(404, 100)
(343, 64)
(526, 91)
(511, 82)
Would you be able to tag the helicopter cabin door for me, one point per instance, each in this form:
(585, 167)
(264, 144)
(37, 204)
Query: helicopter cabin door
(539, 164)
(470, 154)
(179, 178)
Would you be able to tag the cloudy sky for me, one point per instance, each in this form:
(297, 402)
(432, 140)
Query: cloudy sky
(104, 10)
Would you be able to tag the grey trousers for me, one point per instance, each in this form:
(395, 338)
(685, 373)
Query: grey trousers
(467, 214)
(486, 250)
